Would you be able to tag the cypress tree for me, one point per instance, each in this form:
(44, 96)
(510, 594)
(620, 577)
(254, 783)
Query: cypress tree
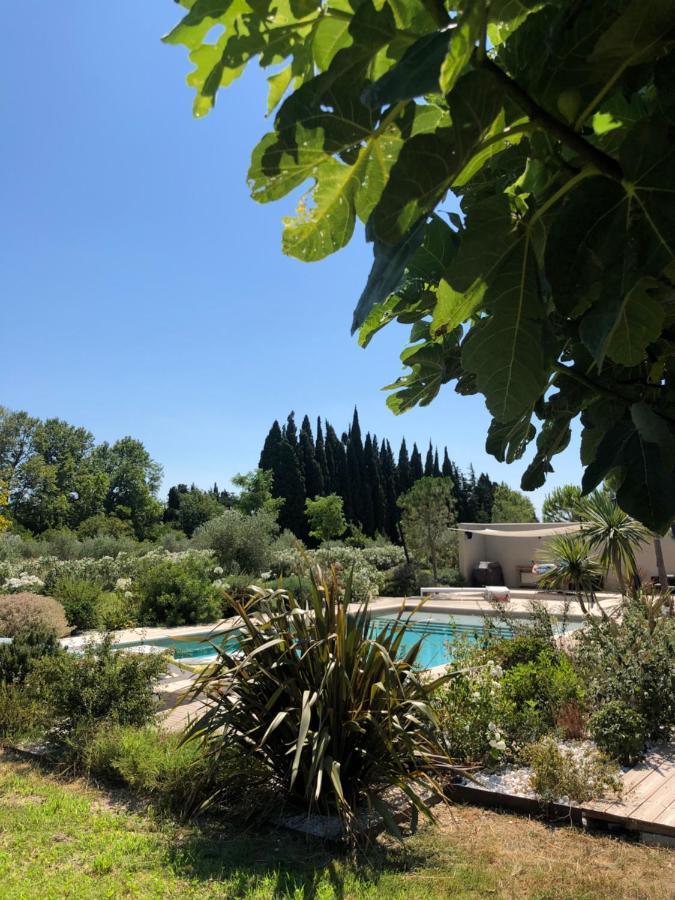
(416, 470)
(269, 450)
(291, 431)
(437, 468)
(429, 462)
(356, 473)
(447, 470)
(320, 448)
(289, 484)
(311, 470)
(336, 459)
(403, 472)
(484, 498)
(388, 476)
(373, 505)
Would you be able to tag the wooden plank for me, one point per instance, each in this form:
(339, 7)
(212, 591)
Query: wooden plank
(640, 782)
(656, 804)
(667, 817)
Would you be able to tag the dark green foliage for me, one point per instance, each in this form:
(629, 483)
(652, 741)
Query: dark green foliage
(365, 474)
(631, 661)
(620, 731)
(333, 714)
(179, 592)
(100, 684)
(18, 658)
(78, 597)
(521, 648)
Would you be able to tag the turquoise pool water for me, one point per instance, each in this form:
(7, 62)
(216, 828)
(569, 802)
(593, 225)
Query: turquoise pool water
(438, 631)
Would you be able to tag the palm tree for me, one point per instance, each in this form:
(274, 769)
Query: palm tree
(574, 567)
(613, 534)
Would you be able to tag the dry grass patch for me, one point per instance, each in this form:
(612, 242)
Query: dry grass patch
(532, 858)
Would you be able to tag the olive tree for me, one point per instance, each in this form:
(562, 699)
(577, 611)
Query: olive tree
(427, 519)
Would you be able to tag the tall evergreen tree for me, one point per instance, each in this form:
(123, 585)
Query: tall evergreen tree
(447, 470)
(356, 472)
(416, 470)
(388, 477)
(320, 448)
(336, 461)
(270, 447)
(484, 498)
(429, 462)
(311, 470)
(403, 473)
(373, 507)
(289, 484)
(291, 431)
(437, 468)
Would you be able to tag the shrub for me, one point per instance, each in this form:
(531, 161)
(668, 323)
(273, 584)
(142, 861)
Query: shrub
(24, 582)
(61, 543)
(241, 543)
(521, 648)
(468, 708)
(557, 774)
(24, 610)
(100, 684)
(619, 731)
(173, 773)
(103, 525)
(631, 661)
(21, 716)
(112, 611)
(29, 645)
(384, 556)
(179, 592)
(534, 692)
(78, 597)
(107, 545)
(401, 581)
(334, 716)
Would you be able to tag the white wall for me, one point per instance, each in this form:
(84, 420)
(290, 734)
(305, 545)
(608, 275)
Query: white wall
(512, 552)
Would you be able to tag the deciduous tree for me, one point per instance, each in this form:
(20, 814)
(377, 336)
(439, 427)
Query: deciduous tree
(514, 165)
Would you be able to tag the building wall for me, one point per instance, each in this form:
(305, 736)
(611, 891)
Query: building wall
(512, 552)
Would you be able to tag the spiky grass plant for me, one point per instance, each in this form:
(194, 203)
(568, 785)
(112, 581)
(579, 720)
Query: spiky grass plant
(575, 567)
(335, 713)
(612, 534)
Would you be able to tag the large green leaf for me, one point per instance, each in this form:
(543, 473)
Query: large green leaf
(416, 73)
(553, 438)
(432, 364)
(385, 275)
(428, 163)
(508, 441)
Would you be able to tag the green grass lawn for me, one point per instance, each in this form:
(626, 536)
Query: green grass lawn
(61, 839)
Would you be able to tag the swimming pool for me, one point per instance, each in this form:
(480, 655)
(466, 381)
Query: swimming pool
(437, 629)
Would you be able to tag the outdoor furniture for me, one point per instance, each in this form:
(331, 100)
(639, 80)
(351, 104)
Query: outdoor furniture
(487, 573)
(497, 593)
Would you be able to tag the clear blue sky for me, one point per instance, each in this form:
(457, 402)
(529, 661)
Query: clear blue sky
(143, 291)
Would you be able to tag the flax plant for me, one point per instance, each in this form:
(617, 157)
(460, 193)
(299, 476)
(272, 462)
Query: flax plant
(337, 713)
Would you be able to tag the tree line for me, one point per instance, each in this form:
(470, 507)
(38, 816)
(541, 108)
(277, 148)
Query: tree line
(365, 472)
(53, 475)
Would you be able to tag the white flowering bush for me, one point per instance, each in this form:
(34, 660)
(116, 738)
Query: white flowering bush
(23, 582)
(384, 556)
(469, 711)
(367, 580)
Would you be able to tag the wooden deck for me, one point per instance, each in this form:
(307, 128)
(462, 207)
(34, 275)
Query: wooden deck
(647, 803)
